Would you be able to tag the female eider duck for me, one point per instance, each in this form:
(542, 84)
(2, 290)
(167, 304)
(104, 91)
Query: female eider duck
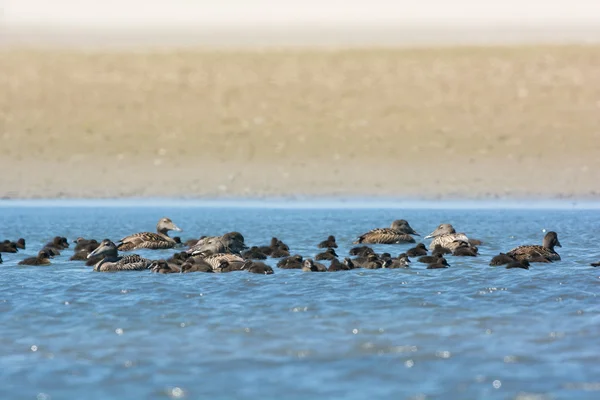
(398, 232)
(150, 240)
(536, 253)
(232, 242)
(42, 259)
(446, 236)
(111, 260)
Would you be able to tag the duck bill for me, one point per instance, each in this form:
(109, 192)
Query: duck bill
(96, 252)
(176, 228)
(429, 236)
(415, 233)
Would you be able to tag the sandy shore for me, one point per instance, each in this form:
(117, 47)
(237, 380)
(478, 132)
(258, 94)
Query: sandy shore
(452, 122)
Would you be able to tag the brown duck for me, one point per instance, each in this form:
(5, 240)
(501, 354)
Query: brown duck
(533, 253)
(150, 240)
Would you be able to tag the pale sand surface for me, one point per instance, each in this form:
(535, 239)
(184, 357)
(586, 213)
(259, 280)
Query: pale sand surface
(451, 122)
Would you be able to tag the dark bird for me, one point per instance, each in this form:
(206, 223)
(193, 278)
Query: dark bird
(111, 261)
(401, 261)
(328, 254)
(398, 232)
(501, 259)
(151, 240)
(336, 266)
(524, 264)
(329, 243)
(430, 259)
(254, 253)
(163, 267)
(439, 249)
(464, 249)
(257, 267)
(439, 264)
(349, 263)
(596, 264)
(292, 262)
(311, 266)
(231, 243)
(545, 251)
(361, 251)
(20, 243)
(372, 262)
(8, 247)
(42, 259)
(417, 251)
(196, 266)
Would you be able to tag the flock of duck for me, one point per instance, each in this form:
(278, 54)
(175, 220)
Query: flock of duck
(229, 252)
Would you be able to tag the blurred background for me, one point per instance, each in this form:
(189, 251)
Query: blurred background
(265, 98)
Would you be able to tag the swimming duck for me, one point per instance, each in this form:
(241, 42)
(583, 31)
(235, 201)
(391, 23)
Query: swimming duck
(20, 243)
(111, 261)
(254, 253)
(8, 247)
(372, 262)
(349, 263)
(231, 242)
(523, 264)
(292, 262)
(150, 240)
(418, 250)
(430, 259)
(178, 258)
(401, 261)
(328, 254)
(439, 264)
(53, 251)
(596, 264)
(58, 243)
(163, 267)
(361, 251)
(257, 267)
(197, 266)
(329, 243)
(215, 260)
(464, 249)
(439, 249)
(336, 266)
(274, 245)
(311, 266)
(446, 236)
(545, 251)
(85, 244)
(398, 232)
(42, 259)
(501, 259)
(279, 252)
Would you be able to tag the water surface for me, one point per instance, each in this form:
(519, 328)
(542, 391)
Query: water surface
(471, 331)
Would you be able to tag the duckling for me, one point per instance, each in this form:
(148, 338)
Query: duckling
(430, 259)
(275, 244)
(545, 251)
(42, 259)
(53, 251)
(230, 266)
(501, 259)
(279, 252)
(163, 267)
(439, 249)
(349, 263)
(418, 250)
(58, 243)
(254, 253)
(401, 262)
(20, 243)
(257, 267)
(361, 251)
(151, 240)
(80, 256)
(328, 254)
(112, 262)
(85, 244)
(310, 266)
(524, 264)
(329, 243)
(336, 266)
(292, 262)
(8, 247)
(198, 266)
(464, 249)
(439, 264)
(372, 262)
(178, 258)
(596, 264)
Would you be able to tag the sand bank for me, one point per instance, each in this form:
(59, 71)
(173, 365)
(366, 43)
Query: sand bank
(452, 122)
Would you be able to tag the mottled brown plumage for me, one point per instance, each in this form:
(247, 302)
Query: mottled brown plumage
(398, 232)
(445, 235)
(533, 252)
(112, 262)
(150, 240)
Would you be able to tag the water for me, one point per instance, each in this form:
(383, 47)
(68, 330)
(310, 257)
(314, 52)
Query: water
(471, 331)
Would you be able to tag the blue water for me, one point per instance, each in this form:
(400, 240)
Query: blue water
(471, 331)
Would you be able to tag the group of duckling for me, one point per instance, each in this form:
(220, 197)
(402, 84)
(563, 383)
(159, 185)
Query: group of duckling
(229, 252)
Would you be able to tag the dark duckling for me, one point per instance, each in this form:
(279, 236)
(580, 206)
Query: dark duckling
(361, 251)
(179, 258)
(328, 254)
(83, 244)
(465, 250)
(349, 263)
(596, 264)
(292, 262)
(439, 264)
(197, 266)
(58, 243)
(430, 259)
(280, 252)
(254, 253)
(373, 262)
(329, 243)
(523, 264)
(311, 266)
(439, 249)
(257, 267)
(42, 259)
(8, 247)
(53, 251)
(401, 261)
(545, 251)
(501, 259)
(417, 251)
(336, 266)
(20, 243)
(163, 267)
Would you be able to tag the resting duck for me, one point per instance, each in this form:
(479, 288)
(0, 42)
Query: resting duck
(42, 259)
(8, 247)
(417, 251)
(398, 232)
(329, 243)
(216, 261)
(311, 266)
(401, 262)
(20, 243)
(163, 267)
(536, 253)
(254, 253)
(150, 240)
(439, 264)
(257, 267)
(523, 264)
(328, 254)
(445, 236)
(232, 242)
(292, 262)
(111, 260)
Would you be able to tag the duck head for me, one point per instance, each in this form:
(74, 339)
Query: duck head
(443, 229)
